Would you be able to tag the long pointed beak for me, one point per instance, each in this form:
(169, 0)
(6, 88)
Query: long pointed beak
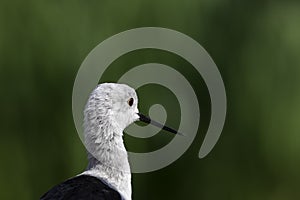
(147, 120)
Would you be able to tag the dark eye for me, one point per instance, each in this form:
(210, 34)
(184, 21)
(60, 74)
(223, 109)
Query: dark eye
(130, 102)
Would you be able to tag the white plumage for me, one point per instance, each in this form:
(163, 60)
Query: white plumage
(107, 114)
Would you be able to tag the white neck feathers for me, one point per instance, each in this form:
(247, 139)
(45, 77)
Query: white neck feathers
(108, 159)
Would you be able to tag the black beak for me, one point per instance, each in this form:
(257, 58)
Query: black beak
(147, 120)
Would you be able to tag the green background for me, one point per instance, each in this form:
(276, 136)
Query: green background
(255, 44)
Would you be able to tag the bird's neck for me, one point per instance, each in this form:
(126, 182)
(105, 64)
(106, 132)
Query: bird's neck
(108, 159)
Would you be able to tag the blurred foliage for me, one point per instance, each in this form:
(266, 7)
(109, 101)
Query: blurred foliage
(255, 44)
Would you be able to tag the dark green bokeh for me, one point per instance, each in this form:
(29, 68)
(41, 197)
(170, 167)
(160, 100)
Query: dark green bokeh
(255, 44)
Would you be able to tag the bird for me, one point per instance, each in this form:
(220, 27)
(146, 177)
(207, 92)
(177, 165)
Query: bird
(110, 108)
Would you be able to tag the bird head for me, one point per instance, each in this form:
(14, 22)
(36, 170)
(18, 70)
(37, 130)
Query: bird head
(115, 105)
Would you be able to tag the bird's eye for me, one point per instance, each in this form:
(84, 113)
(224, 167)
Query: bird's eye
(130, 102)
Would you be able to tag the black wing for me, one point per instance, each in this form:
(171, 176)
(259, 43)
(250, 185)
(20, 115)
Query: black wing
(82, 187)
